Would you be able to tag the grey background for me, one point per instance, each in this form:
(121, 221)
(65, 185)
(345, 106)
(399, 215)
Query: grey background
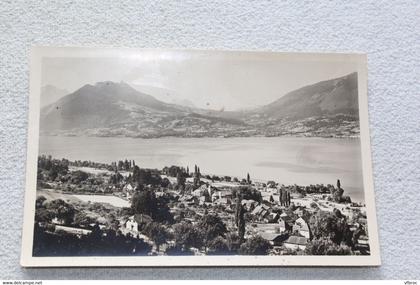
(388, 31)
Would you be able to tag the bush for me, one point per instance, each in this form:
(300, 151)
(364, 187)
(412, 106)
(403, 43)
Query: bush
(218, 246)
(324, 246)
(255, 245)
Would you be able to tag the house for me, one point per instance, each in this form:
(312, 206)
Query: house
(74, 231)
(57, 221)
(222, 201)
(285, 225)
(298, 212)
(101, 226)
(131, 224)
(272, 218)
(249, 205)
(273, 238)
(259, 209)
(221, 194)
(301, 227)
(202, 200)
(295, 242)
(284, 216)
(362, 244)
(189, 200)
(200, 191)
(128, 187)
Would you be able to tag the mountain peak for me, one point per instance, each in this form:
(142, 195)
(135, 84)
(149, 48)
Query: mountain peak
(328, 97)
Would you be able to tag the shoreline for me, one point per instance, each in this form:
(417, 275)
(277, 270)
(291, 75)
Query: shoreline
(198, 137)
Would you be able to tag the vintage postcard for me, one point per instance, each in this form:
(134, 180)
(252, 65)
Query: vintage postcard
(198, 158)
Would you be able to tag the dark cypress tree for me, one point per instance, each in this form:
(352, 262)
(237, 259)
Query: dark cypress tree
(237, 208)
(248, 179)
(338, 184)
(239, 217)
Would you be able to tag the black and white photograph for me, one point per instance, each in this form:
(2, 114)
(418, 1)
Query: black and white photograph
(194, 157)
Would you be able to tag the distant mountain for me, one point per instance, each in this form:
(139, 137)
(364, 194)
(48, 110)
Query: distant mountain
(164, 95)
(117, 109)
(330, 97)
(327, 108)
(51, 94)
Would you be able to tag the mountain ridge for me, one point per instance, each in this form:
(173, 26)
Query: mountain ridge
(327, 108)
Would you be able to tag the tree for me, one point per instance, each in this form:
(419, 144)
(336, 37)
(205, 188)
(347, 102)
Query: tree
(239, 217)
(39, 203)
(186, 236)
(61, 210)
(249, 193)
(248, 179)
(41, 213)
(330, 225)
(324, 246)
(165, 182)
(218, 246)
(136, 172)
(180, 180)
(78, 176)
(206, 194)
(197, 175)
(115, 178)
(144, 202)
(157, 233)
(162, 211)
(233, 241)
(255, 245)
(211, 226)
(81, 219)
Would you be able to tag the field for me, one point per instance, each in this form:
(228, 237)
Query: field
(103, 199)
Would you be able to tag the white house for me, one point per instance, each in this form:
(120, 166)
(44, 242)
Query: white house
(132, 224)
(302, 227)
(285, 225)
(57, 221)
(128, 189)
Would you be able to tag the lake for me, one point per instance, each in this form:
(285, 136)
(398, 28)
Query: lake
(287, 160)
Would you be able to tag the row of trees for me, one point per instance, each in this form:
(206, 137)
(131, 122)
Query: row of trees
(50, 168)
(52, 243)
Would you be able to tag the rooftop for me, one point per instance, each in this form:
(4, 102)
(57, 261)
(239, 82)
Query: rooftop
(297, 240)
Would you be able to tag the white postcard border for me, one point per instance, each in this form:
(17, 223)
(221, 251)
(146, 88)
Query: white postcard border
(27, 260)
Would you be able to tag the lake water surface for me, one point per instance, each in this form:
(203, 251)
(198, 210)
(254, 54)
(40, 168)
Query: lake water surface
(287, 160)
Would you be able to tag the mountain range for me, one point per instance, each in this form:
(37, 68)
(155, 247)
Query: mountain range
(328, 108)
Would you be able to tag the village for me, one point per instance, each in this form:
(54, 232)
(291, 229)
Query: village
(178, 211)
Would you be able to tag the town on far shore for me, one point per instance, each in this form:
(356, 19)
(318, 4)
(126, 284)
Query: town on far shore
(86, 208)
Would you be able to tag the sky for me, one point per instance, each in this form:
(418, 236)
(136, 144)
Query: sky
(205, 79)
